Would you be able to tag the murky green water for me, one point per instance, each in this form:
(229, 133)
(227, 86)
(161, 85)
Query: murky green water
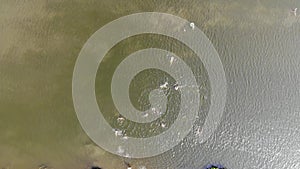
(40, 40)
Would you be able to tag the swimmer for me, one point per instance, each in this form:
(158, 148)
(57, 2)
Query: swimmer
(294, 11)
(192, 25)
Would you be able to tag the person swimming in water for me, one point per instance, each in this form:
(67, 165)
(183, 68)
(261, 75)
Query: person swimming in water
(214, 166)
(294, 11)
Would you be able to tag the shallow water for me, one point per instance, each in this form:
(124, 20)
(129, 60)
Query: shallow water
(258, 43)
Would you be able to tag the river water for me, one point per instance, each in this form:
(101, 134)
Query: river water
(258, 43)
